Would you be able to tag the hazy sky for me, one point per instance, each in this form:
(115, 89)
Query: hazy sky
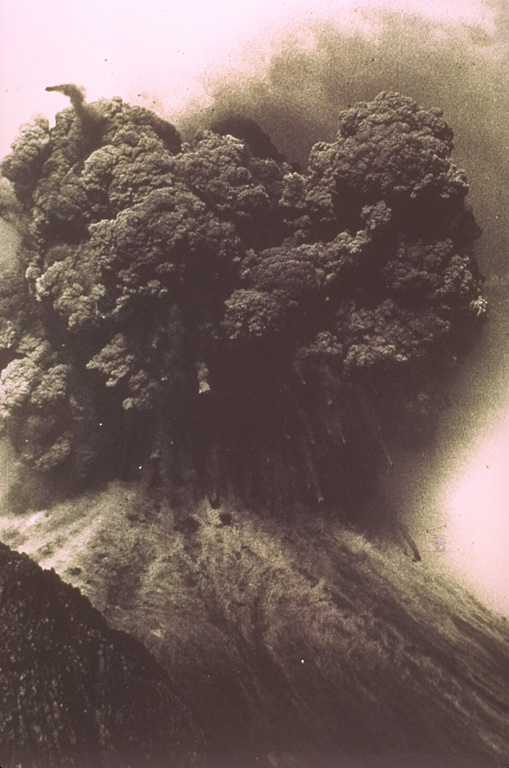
(163, 54)
(159, 53)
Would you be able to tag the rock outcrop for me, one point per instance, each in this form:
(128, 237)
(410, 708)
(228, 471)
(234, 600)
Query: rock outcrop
(74, 692)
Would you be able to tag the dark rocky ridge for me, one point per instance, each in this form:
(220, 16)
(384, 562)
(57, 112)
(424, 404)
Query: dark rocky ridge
(75, 692)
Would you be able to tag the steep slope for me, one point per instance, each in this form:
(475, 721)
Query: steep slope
(73, 692)
(299, 642)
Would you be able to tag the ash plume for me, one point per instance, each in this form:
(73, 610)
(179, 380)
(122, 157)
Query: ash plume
(264, 314)
(74, 92)
(222, 324)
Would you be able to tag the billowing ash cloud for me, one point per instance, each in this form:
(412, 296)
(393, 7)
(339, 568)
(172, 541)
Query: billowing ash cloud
(221, 322)
(295, 96)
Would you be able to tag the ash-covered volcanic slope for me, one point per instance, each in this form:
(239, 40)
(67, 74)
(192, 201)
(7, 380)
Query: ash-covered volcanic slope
(74, 692)
(299, 644)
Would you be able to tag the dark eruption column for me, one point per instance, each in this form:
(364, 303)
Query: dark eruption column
(249, 329)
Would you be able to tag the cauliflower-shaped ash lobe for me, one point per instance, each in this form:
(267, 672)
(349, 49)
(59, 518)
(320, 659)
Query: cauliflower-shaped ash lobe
(389, 149)
(219, 319)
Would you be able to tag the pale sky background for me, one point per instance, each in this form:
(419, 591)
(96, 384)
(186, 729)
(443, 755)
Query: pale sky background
(164, 53)
(159, 53)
